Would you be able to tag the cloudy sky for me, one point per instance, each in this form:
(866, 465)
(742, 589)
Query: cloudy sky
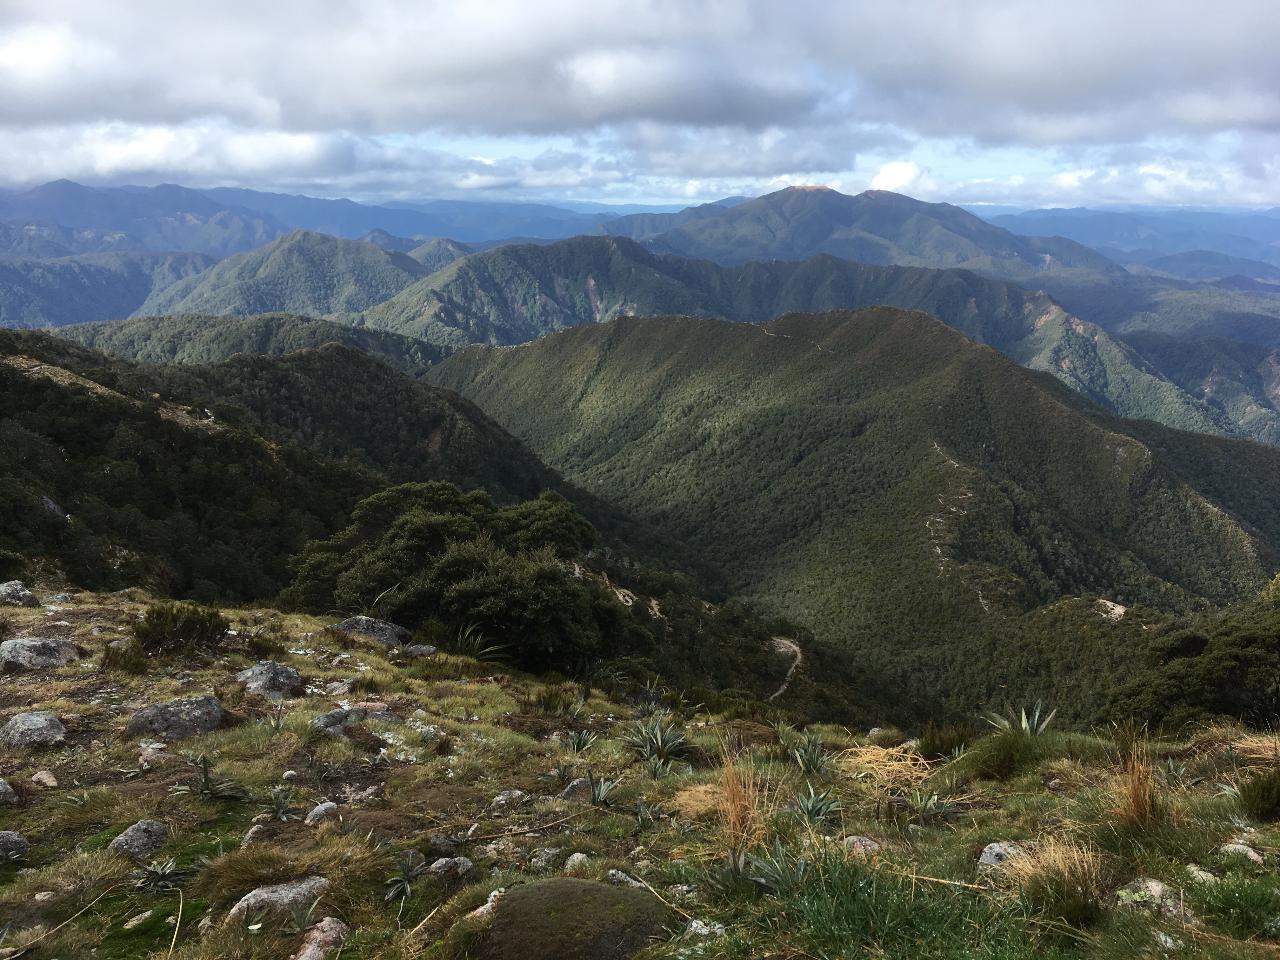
(998, 101)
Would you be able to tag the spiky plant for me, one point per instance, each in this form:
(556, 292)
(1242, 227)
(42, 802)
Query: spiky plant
(658, 736)
(399, 885)
(1031, 724)
(208, 787)
(275, 721)
(815, 807)
(811, 756)
(601, 790)
(158, 876)
(658, 768)
(777, 871)
(580, 741)
(471, 641)
(281, 807)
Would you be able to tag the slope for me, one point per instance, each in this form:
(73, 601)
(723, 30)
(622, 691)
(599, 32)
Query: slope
(877, 477)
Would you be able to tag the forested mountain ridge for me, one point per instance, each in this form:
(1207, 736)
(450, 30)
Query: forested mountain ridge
(886, 482)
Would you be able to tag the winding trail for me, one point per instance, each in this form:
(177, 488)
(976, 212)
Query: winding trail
(783, 645)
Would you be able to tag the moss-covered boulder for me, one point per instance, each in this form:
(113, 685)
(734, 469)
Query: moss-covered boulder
(568, 919)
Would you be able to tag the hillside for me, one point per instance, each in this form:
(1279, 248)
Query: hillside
(200, 339)
(104, 286)
(873, 227)
(308, 273)
(439, 253)
(514, 294)
(897, 489)
(1209, 265)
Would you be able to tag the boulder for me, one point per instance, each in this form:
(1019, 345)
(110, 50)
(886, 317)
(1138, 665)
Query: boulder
(996, 855)
(45, 779)
(1153, 897)
(387, 634)
(142, 840)
(177, 719)
(321, 940)
(576, 863)
(13, 846)
(861, 846)
(564, 918)
(7, 794)
(416, 651)
(30, 653)
(451, 868)
(279, 898)
(270, 679)
(544, 858)
(322, 812)
(40, 728)
(15, 594)
(578, 789)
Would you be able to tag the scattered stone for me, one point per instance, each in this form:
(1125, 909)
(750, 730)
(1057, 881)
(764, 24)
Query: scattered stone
(322, 812)
(620, 879)
(279, 898)
(416, 651)
(270, 679)
(139, 920)
(15, 594)
(142, 840)
(451, 868)
(13, 846)
(1200, 874)
(387, 634)
(257, 832)
(544, 858)
(1237, 849)
(39, 728)
(29, 653)
(62, 598)
(1153, 897)
(45, 778)
(508, 798)
(702, 929)
(996, 855)
(442, 845)
(335, 722)
(576, 862)
(7, 794)
(289, 775)
(485, 910)
(862, 846)
(578, 789)
(325, 937)
(338, 688)
(177, 719)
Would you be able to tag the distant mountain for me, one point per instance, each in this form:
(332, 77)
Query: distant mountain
(1211, 265)
(900, 490)
(385, 241)
(106, 286)
(515, 294)
(163, 218)
(875, 227)
(439, 253)
(1148, 234)
(45, 241)
(195, 339)
(303, 272)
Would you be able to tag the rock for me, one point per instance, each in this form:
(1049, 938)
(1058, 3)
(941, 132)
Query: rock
(257, 832)
(387, 634)
(1200, 874)
(13, 846)
(15, 594)
(289, 775)
(62, 598)
(7, 794)
(862, 846)
(578, 789)
(620, 879)
(44, 896)
(1153, 897)
(565, 918)
(485, 910)
(508, 798)
(270, 679)
(29, 653)
(576, 862)
(45, 778)
(442, 845)
(702, 929)
(451, 868)
(544, 858)
(1237, 849)
(138, 920)
(177, 719)
(39, 728)
(996, 855)
(279, 898)
(325, 937)
(142, 840)
(322, 812)
(416, 651)
(335, 722)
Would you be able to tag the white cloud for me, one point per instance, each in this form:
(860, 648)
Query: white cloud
(898, 176)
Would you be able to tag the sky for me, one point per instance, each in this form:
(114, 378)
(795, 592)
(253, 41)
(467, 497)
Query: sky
(1019, 102)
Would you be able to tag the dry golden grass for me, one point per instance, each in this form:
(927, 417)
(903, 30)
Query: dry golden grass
(891, 767)
(1060, 877)
(745, 803)
(1137, 799)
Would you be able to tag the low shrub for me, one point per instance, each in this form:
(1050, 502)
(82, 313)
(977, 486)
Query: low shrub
(127, 656)
(1260, 795)
(180, 628)
(939, 742)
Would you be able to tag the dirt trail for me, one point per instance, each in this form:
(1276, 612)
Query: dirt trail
(783, 645)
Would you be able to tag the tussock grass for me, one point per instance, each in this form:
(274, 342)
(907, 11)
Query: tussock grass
(744, 805)
(1061, 879)
(1138, 799)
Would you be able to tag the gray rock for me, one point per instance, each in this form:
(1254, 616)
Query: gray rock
(862, 846)
(39, 728)
(62, 598)
(13, 846)
(279, 898)
(1155, 898)
(418, 650)
(177, 719)
(442, 845)
(1238, 849)
(578, 789)
(7, 794)
(544, 858)
(1199, 874)
(257, 832)
(15, 594)
(322, 939)
(45, 778)
(996, 855)
(271, 679)
(620, 879)
(451, 868)
(30, 653)
(322, 812)
(508, 798)
(142, 840)
(387, 634)
(576, 862)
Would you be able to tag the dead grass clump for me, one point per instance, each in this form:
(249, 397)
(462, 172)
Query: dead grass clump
(742, 804)
(1061, 879)
(1137, 800)
(890, 767)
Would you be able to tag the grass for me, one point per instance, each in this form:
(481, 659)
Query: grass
(1061, 879)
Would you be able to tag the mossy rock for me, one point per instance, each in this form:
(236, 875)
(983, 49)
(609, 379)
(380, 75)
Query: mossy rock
(567, 919)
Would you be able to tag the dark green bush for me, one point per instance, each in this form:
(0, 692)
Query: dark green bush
(1260, 795)
(180, 628)
(126, 656)
(940, 741)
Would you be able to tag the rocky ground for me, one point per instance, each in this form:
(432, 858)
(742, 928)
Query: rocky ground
(307, 790)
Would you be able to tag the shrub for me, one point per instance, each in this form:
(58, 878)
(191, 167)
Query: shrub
(1061, 880)
(1260, 795)
(1000, 756)
(180, 628)
(127, 656)
(940, 742)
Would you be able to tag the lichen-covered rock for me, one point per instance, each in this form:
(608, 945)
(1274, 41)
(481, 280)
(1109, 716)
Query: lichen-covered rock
(578, 789)
(13, 846)
(451, 868)
(39, 728)
(507, 799)
(279, 898)
(1153, 897)
(862, 846)
(142, 840)
(1243, 850)
(387, 634)
(15, 594)
(270, 679)
(564, 918)
(31, 653)
(177, 719)
(996, 855)
(577, 862)
(322, 812)
(322, 939)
